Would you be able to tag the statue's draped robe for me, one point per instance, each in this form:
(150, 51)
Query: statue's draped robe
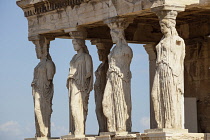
(43, 94)
(79, 90)
(168, 86)
(99, 88)
(117, 95)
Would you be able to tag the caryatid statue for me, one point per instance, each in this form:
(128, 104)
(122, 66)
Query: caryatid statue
(103, 47)
(168, 86)
(42, 87)
(117, 95)
(79, 84)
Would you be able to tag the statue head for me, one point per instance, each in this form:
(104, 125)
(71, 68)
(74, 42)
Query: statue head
(103, 51)
(167, 22)
(42, 48)
(168, 26)
(117, 27)
(80, 44)
(117, 34)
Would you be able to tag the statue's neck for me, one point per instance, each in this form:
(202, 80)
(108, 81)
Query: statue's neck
(167, 35)
(43, 59)
(80, 51)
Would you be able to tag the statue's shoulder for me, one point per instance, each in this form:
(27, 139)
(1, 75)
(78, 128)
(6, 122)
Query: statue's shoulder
(127, 49)
(50, 63)
(88, 56)
(180, 41)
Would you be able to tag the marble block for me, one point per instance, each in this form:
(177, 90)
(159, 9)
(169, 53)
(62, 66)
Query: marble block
(164, 130)
(113, 133)
(78, 137)
(117, 135)
(191, 120)
(43, 138)
(171, 134)
(103, 137)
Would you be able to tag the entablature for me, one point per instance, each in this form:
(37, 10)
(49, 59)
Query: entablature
(53, 17)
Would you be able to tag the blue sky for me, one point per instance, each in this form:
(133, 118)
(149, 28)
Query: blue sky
(17, 61)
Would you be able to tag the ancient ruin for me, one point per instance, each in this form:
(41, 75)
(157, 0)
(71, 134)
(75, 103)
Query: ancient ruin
(176, 37)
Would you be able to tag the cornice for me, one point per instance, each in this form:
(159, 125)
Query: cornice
(36, 7)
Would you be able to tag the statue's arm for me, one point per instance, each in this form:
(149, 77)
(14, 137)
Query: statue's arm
(89, 72)
(50, 70)
(33, 83)
(67, 81)
(89, 67)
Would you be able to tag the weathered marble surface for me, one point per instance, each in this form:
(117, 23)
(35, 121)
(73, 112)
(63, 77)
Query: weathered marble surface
(100, 82)
(82, 14)
(42, 138)
(168, 87)
(172, 136)
(117, 94)
(42, 88)
(79, 84)
(147, 136)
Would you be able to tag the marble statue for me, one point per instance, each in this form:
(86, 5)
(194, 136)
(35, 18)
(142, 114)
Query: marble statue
(117, 95)
(168, 87)
(100, 83)
(79, 84)
(42, 88)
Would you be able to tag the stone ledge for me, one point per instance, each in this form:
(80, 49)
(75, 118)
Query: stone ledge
(78, 137)
(157, 135)
(164, 130)
(43, 138)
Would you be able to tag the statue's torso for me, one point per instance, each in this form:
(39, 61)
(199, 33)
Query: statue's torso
(120, 58)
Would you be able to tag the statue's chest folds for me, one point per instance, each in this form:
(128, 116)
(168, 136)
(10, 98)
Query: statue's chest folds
(40, 68)
(77, 61)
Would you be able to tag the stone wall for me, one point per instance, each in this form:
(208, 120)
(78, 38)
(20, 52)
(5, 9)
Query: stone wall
(197, 80)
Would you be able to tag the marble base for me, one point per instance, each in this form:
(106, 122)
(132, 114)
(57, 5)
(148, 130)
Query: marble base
(113, 133)
(117, 135)
(43, 138)
(78, 137)
(103, 137)
(170, 134)
(164, 130)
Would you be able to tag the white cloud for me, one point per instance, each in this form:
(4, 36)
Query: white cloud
(145, 122)
(57, 130)
(11, 127)
(12, 130)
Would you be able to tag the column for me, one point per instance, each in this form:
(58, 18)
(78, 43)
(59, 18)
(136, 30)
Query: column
(117, 95)
(150, 49)
(42, 86)
(167, 93)
(103, 47)
(79, 83)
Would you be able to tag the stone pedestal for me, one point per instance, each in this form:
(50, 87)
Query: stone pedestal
(171, 134)
(40, 138)
(164, 130)
(117, 136)
(191, 120)
(78, 137)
